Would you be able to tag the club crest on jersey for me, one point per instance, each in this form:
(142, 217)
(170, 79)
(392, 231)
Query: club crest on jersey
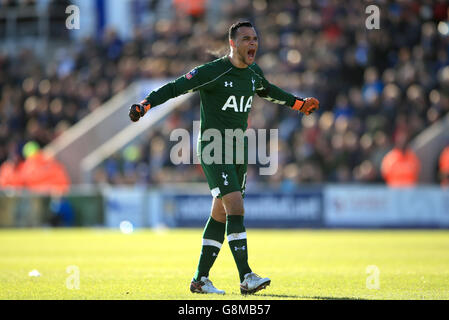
(228, 84)
(191, 74)
(225, 178)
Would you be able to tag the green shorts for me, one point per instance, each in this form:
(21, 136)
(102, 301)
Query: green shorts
(228, 173)
(225, 178)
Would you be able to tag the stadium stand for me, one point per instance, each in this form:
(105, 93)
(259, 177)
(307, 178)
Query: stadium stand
(372, 84)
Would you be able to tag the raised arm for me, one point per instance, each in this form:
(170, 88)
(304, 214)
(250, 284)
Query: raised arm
(199, 77)
(270, 92)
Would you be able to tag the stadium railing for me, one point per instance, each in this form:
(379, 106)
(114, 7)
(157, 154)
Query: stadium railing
(428, 146)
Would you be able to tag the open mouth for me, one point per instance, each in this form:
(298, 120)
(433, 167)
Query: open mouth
(251, 53)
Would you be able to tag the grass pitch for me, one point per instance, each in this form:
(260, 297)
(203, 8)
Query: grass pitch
(302, 264)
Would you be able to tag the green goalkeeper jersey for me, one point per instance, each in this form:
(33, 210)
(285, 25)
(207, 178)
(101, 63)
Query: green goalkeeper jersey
(226, 93)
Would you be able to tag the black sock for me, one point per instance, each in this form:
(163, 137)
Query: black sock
(236, 233)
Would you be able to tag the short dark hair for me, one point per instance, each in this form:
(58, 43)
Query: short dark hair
(233, 29)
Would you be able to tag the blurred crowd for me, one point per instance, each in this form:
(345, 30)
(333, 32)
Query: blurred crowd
(16, 3)
(376, 87)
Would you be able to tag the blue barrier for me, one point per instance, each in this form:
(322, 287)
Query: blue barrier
(277, 210)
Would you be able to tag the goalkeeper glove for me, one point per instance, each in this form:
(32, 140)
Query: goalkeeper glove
(306, 105)
(136, 111)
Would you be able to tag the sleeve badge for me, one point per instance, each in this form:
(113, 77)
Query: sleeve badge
(191, 74)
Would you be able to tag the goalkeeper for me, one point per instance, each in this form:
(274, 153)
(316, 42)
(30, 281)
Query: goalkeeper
(226, 87)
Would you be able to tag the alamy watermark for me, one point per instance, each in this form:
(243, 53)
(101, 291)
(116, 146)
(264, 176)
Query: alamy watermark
(373, 20)
(73, 20)
(373, 279)
(72, 282)
(233, 146)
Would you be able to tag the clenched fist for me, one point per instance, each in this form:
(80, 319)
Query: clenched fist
(136, 111)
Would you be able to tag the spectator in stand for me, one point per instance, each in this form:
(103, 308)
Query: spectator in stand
(444, 167)
(400, 166)
(36, 171)
(10, 170)
(194, 8)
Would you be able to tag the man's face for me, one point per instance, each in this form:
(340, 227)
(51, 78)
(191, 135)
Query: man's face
(246, 44)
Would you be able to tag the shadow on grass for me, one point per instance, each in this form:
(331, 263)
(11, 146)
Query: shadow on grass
(307, 297)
